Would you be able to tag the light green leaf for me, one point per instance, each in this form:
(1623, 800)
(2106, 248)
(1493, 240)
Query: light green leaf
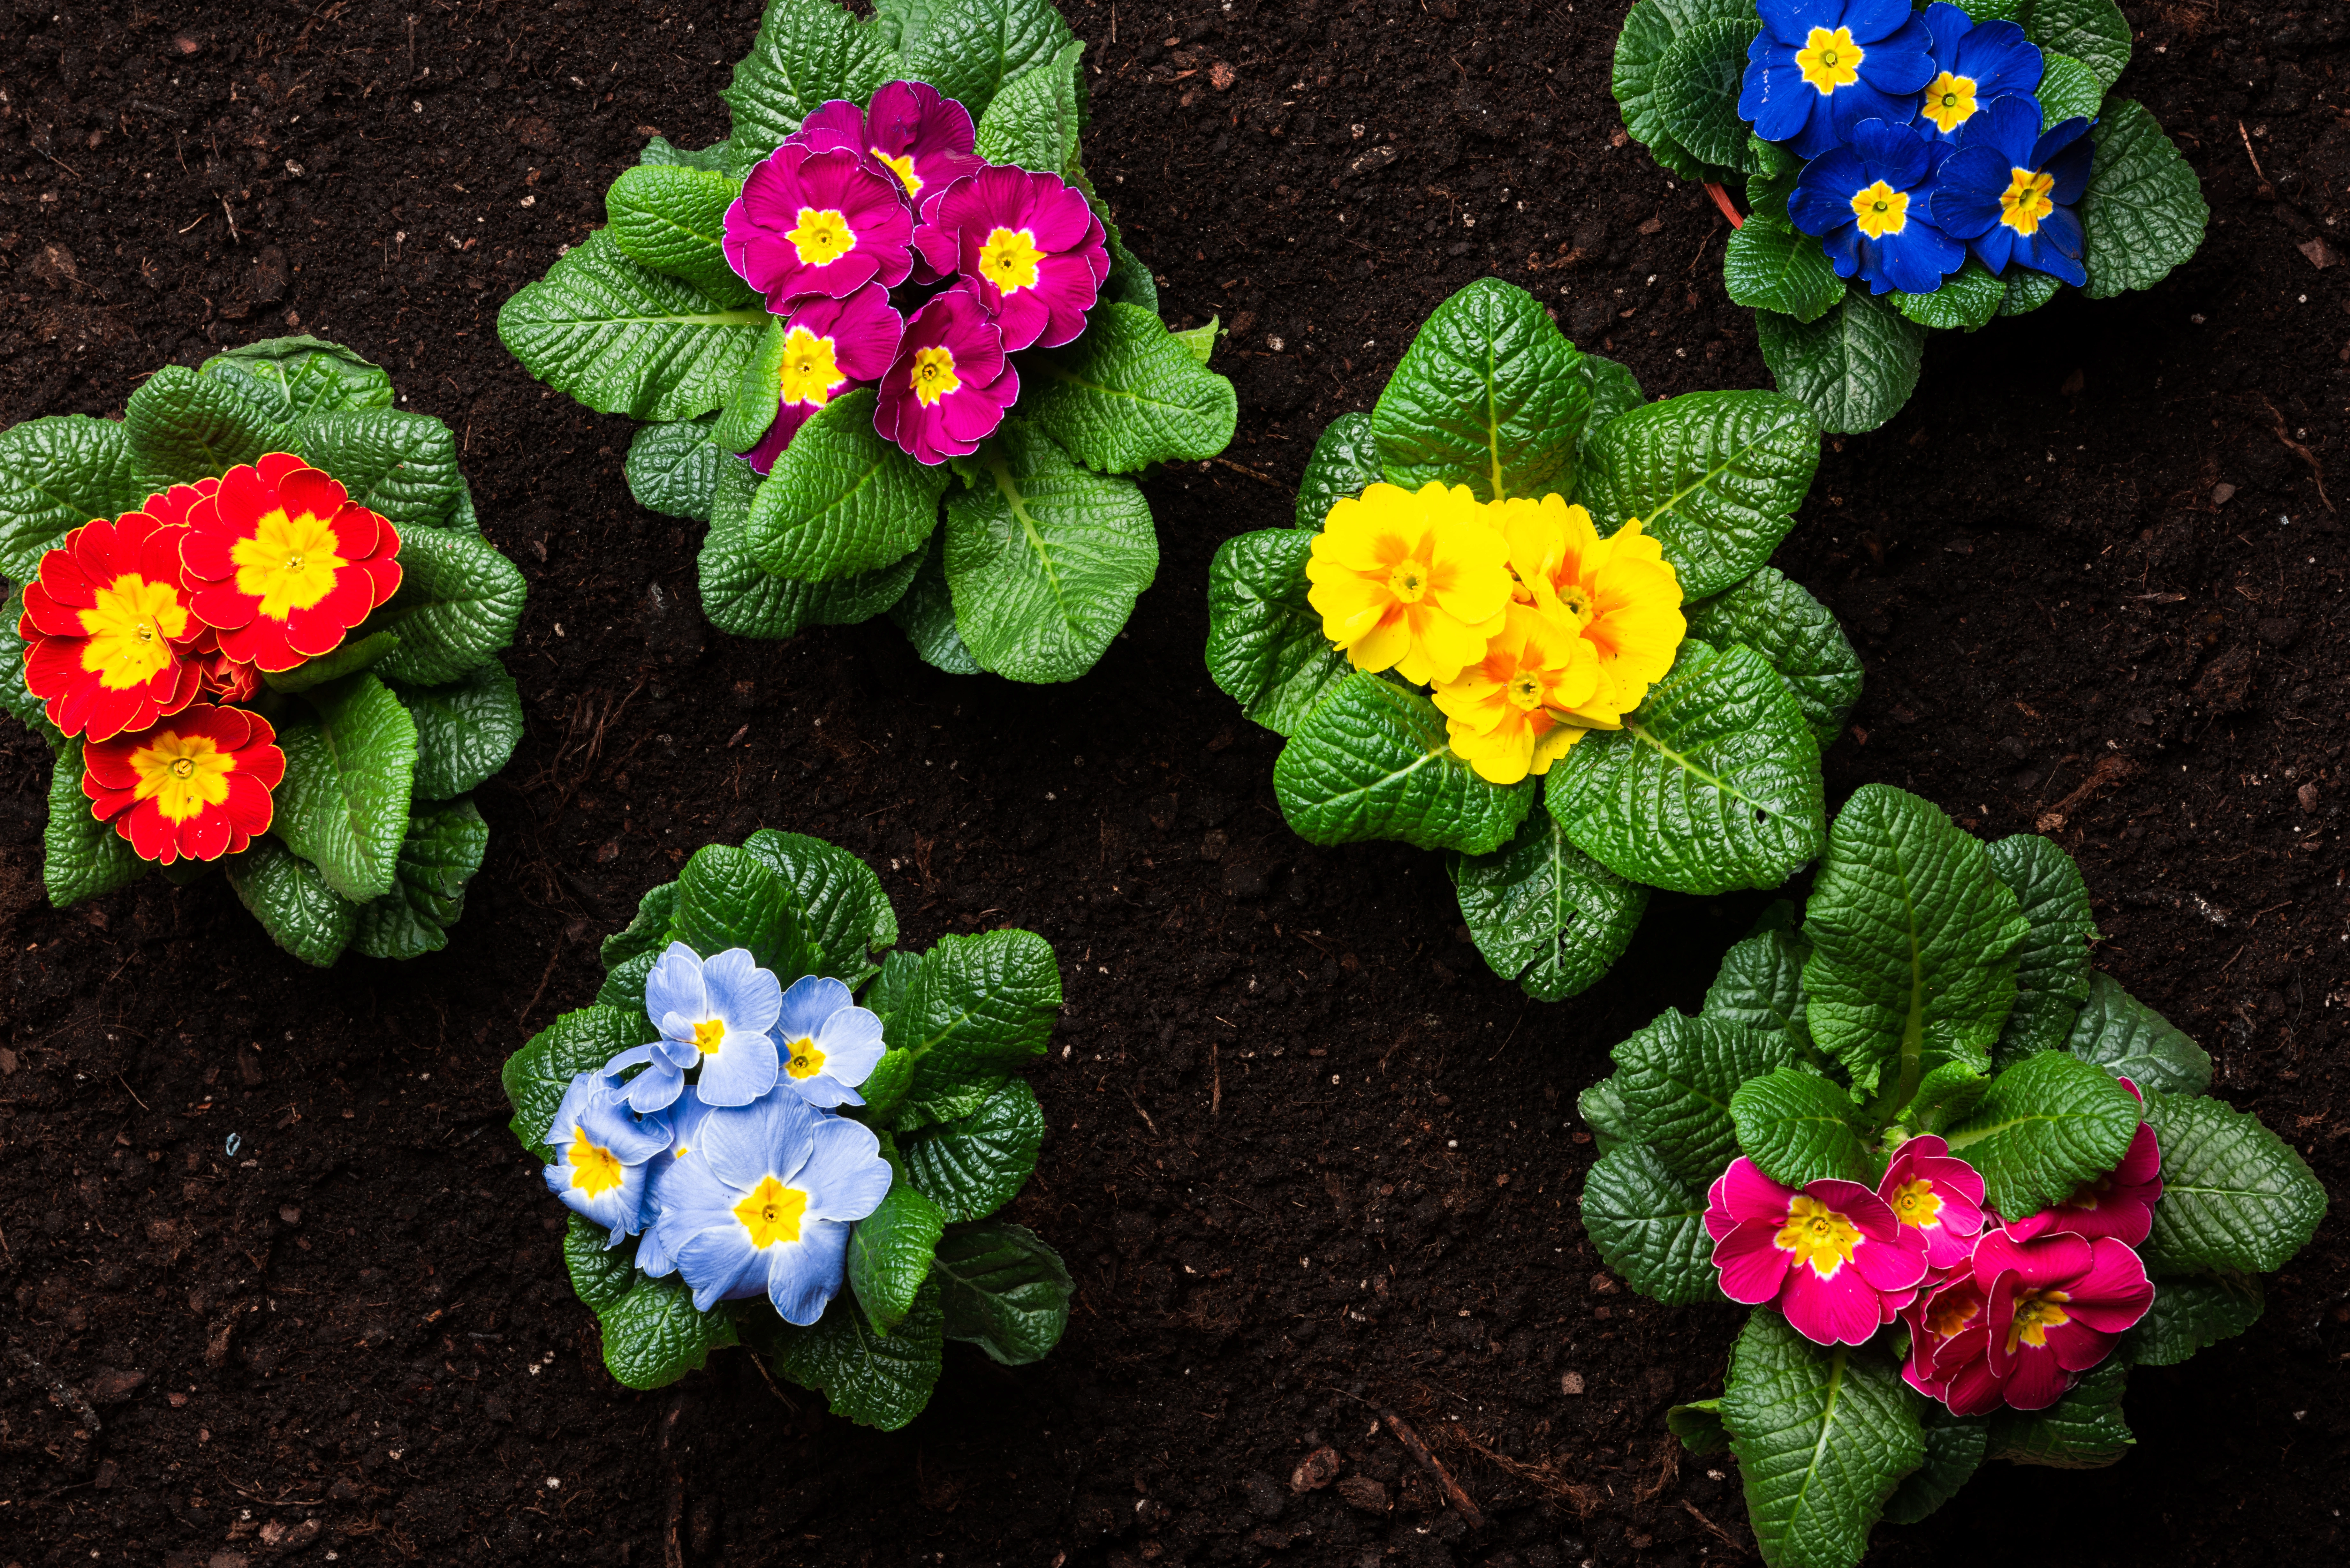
(1713, 783)
(190, 426)
(926, 614)
(2069, 89)
(1799, 1127)
(624, 339)
(753, 404)
(1967, 298)
(844, 913)
(842, 501)
(458, 604)
(2051, 975)
(1854, 367)
(968, 50)
(2047, 1124)
(1126, 394)
(1945, 1095)
(295, 906)
(2085, 1430)
(731, 898)
(1265, 646)
(874, 1379)
(1769, 265)
(1005, 1291)
(580, 1041)
(349, 773)
(2131, 1040)
(2189, 1314)
(1488, 396)
(981, 1006)
(293, 378)
(2093, 32)
(57, 473)
(81, 856)
(1698, 85)
(1761, 984)
(1778, 618)
(673, 221)
(742, 598)
(1543, 913)
(1344, 463)
(2144, 210)
(2235, 1196)
(652, 1335)
(442, 852)
(1201, 340)
(1372, 762)
(601, 1273)
(1677, 1077)
(889, 1249)
(672, 468)
(1954, 1451)
(974, 1166)
(807, 53)
(1649, 1225)
(357, 653)
(1716, 476)
(1615, 390)
(465, 731)
(1033, 123)
(659, 153)
(400, 464)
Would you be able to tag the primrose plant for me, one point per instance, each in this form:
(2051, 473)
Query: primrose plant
(773, 1131)
(890, 345)
(1907, 171)
(1965, 1181)
(258, 629)
(1526, 617)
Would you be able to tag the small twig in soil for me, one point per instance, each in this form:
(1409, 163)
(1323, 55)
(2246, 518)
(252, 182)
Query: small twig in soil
(128, 1090)
(552, 960)
(760, 1362)
(1143, 1114)
(2265, 188)
(1723, 1535)
(672, 1552)
(1461, 1504)
(1253, 474)
(63, 1392)
(2299, 450)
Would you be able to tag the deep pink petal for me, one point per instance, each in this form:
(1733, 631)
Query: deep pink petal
(1895, 1265)
(1858, 1204)
(2050, 1261)
(2113, 1293)
(1752, 1268)
(1748, 1194)
(836, 124)
(1718, 1221)
(2141, 1162)
(1841, 1311)
(2037, 1380)
(2077, 1347)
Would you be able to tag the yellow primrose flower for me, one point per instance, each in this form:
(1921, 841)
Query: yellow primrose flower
(1415, 581)
(1504, 714)
(1620, 593)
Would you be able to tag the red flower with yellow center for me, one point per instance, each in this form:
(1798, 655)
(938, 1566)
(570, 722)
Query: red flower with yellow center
(195, 786)
(108, 629)
(283, 563)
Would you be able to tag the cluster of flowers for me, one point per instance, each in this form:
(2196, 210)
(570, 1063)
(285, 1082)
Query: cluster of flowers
(1923, 135)
(1530, 628)
(897, 255)
(1999, 1311)
(196, 595)
(745, 1179)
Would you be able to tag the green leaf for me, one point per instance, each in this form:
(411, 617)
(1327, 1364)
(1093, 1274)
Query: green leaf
(1822, 1435)
(355, 655)
(1265, 646)
(2085, 1430)
(1966, 299)
(190, 426)
(807, 53)
(1677, 1078)
(1614, 391)
(536, 1076)
(2144, 210)
(968, 50)
(844, 912)
(1602, 1108)
(294, 379)
(659, 153)
(740, 598)
(81, 856)
(1698, 85)
(1637, 75)
(624, 339)
(1946, 1095)
(601, 1273)
(889, 1249)
(465, 731)
(1699, 1426)
(295, 906)
(1913, 945)
(2235, 1196)
(1954, 1451)
(2068, 90)
(1778, 618)
(981, 1006)
(624, 984)
(57, 473)
(1487, 396)
(1980, 11)
(874, 1379)
(458, 604)
(1649, 1225)
(1761, 984)
(1854, 367)
(1128, 394)
(443, 850)
(1372, 761)
(1799, 1127)
(1044, 559)
(887, 991)
(400, 464)
(652, 1335)
(730, 898)
(2051, 975)
(648, 932)
(2027, 291)
(2131, 1040)
(15, 697)
(349, 773)
(2093, 32)
(1344, 463)
(1716, 476)
(2047, 1124)
(974, 1166)
(926, 614)
(753, 406)
(842, 501)
(1129, 281)
(1033, 123)
(673, 221)
(1543, 913)
(1201, 340)
(672, 468)
(1769, 265)
(1713, 783)
(2189, 1314)
(1005, 1291)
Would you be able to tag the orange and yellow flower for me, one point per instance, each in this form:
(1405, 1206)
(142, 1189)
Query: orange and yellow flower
(1415, 581)
(1504, 712)
(282, 563)
(107, 627)
(195, 786)
(1619, 594)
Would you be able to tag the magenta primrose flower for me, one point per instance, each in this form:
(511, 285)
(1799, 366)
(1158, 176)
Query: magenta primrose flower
(951, 383)
(923, 136)
(1034, 251)
(1832, 1256)
(2119, 1204)
(814, 223)
(829, 346)
(1937, 1197)
(2024, 1322)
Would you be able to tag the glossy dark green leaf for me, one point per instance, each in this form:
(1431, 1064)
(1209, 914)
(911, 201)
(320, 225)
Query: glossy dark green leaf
(1487, 396)
(1543, 913)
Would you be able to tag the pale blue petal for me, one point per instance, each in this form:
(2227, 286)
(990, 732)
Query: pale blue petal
(717, 1262)
(743, 1067)
(770, 1137)
(657, 1088)
(845, 1176)
(804, 1276)
(740, 992)
(610, 1123)
(851, 1042)
(586, 1089)
(811, 1000)
(615, 1209)
(675, 985)
(822, 1091)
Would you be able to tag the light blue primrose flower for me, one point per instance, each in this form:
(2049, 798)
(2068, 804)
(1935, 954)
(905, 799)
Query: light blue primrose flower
(685, 1119)
(2009, 191)
(602, 1154)
(715, 1012)
(829, 1045)
(1820, 67)
(763, 1203)
(1973, 65)
(1867, 204)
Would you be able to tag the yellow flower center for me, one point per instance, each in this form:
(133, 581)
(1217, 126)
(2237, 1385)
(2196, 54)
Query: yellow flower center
(1881, 210)
(772, 1211)
(2025, 201)
(2036, 1311)
(289, 562)
(903, 167)
(128, 630)
(1407, 580)
(810, 372)
(709, 1035)
(1009, 259)
(1951, 1316)
(1575, 600)
(1830, 60)
(1820, 1238)
(595, 1169)
(182, 774)
(934, 375)
(1917, 1203)
(1949, 101)
(822, 236)
(1525, 691)
(802, 1059)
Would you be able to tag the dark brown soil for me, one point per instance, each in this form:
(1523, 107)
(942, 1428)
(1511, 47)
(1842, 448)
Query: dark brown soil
(1308, 1157)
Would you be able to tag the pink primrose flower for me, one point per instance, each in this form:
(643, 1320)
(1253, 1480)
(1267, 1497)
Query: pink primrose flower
(951, 383)
(1937, 1196)
(2025, 1321)
(811, 224)
(829, 346)
(2119, 1204)
(1030, 246)
(1832, 1256)
(921, 136)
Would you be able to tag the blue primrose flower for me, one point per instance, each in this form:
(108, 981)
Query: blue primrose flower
(1972, 66)
(829, 1045)
(2009, 191)
(1820, 67)
(602, 1150)
(685, 1119)
(715, 1012)
(763, 1203)
(1867, 204)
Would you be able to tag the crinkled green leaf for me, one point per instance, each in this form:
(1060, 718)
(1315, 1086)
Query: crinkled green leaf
(647, 932)
(2069, 89)
(349, 773)
(889, 1249)
(1372, 761)
(15, 697)
(536, 1076)
(2047, 1124)
(1601, 1107)
(1697, 89)
(1854, 367)
(754, 402)
(968, 50)
(1543, 913)
(842, 501)
(844, 913)
(2093, 32)
(1640, 48)
(2190, 1314)
(1799, 1127)
(2131, 1040)
(601, 1273)
(2052, 974)
(458, 604)
(400, 464)
(1649, 1225)
(672, 468)
(1265, 646)
(1033, 123)
(294, 379)
(1946, 1095)
(975, 1166)
(442, 852)
(2144, 212)
(1615, 390)
(57, 473)
(652, 1335)
(1344, 463)
(1954, 1451)
(1769, 264)
(1676, 1079)
(981, 1006)
(2085, 1430)
(1129, 281)
(2235, 1196)
(465, 731)
(2027, 291)
(189, 426)
(874, 1379)
(1126, 394)
(926, 614)
(673, 219)
(1201, 340)
(357, 653)
(81, 856)
(1488, 396)
(731, 898)
(287, 894)
(624, 984)
(659, 153)
(742, 598)
(1967, 298)
(1761, 984)
(1779, 618)
(1005, 1291)
(807, 53)
(1699, 1426)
